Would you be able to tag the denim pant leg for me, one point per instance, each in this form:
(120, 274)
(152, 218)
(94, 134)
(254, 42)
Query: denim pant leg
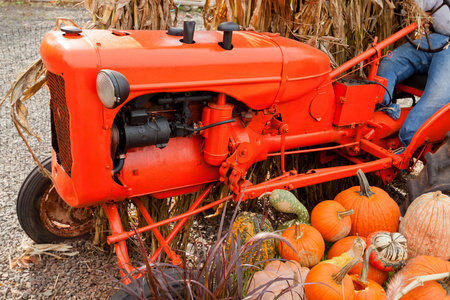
(404, 62)
(435, 96)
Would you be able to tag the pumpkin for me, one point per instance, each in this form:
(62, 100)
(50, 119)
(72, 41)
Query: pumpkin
(296, 267)
(248, 224)
(345, 245)
(269, 283)
(366, 289)
(285, 202)
(420, 266)
(329, 282)
(388, 251)
(332, 220)
(374, 209)
(426, 226)
(357, 250)
(308, 243)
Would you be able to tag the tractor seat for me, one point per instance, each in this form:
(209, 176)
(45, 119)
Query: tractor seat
(413, 86)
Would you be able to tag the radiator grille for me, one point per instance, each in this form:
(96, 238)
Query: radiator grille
(60, 121)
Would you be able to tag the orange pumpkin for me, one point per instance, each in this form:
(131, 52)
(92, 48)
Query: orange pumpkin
(308, 243)
(426, 226)
(374, 209)
(366, 289)
(346, 244)
(329, 282)
(420, 266)
(332, 220)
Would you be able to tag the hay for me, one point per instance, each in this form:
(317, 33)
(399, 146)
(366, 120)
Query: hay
(415, 14)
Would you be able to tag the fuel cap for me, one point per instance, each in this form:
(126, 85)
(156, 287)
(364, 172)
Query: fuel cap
(71, 30)
(175, 31)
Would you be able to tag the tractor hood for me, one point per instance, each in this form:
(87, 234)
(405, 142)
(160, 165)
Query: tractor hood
(259, 70)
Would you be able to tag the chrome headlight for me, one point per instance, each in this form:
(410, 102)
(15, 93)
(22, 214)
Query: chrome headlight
(112, 88)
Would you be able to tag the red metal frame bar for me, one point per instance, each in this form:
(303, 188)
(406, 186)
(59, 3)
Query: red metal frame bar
(315, 177)
(122, 236)
(374, 50)
(173, 257)
(314, 150)
(121, 248)
(409, 90)
(120, 244)
(378, 151)
(180, 224)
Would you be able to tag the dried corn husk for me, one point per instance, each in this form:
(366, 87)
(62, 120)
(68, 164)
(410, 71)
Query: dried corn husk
(341, 28)
(131, 14)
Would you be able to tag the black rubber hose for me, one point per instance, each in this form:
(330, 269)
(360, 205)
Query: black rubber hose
(389, 94)
(210, 125)
(117, 168)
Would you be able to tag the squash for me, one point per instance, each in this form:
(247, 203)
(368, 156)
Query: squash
(332, 220)
(265, 283)
(248, 224)
(296, 267)
(426, 226)
(345, 245)
(374, 209)
(285, 202)
(308, 243)
(416, 268)
(388, 251)
(270, 280)
(329, 282)
(366, 289)
(357, 250)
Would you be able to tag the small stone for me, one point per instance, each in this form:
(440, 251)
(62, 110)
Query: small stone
(25, 296)
(48, 293)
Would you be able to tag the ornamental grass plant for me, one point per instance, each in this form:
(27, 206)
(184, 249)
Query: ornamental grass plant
(212, 271)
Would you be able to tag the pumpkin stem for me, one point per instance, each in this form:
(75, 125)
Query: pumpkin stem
(339, 276)
(364, 184)
(342, 214)
(437, 195)
(298, 233)
(264, 195)
(358, 248)
(365, 268)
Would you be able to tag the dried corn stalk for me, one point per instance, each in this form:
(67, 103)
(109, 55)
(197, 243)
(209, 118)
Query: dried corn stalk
(341, 28)
(132, 14)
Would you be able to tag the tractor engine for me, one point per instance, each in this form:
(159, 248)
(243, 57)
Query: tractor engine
(161, 112)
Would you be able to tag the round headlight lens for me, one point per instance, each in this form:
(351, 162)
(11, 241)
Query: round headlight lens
(112, 88)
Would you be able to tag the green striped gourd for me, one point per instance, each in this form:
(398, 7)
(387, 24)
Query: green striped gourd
(285, 202)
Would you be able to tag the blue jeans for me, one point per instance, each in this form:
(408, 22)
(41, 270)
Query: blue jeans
(406, 61)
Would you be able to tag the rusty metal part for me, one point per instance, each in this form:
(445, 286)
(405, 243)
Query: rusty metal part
(60, 218)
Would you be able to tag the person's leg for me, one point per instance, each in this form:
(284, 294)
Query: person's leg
(435, 96)
(404, 62)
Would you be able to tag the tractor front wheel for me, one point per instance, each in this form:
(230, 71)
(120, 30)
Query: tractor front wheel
(43, 215)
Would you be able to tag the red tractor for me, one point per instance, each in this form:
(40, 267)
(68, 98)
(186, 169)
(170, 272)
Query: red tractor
(165, 113)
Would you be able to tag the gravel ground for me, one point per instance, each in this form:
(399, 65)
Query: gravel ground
(90, 273)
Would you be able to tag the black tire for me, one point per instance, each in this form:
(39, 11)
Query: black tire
(174, 278)
(33, 190)
(435, 176)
